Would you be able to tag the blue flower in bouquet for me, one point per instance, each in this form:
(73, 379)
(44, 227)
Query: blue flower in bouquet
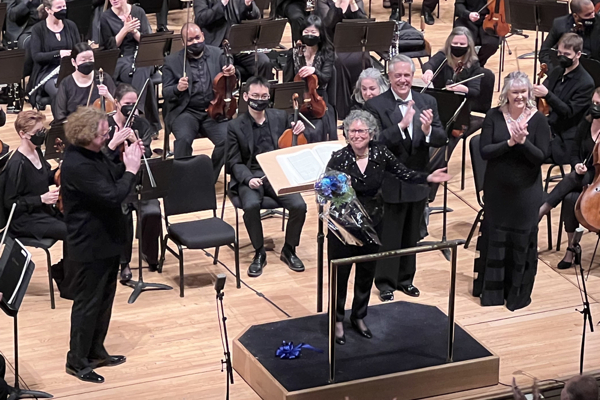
(342, 178)
(334, 186)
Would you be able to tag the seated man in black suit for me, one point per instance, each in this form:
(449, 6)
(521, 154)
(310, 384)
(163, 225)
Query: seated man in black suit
(410, 126)
(188, 97)
(467, 15)
(568, 91)
(20, 18)
(215, 18)
(583, 22)
(250, 134)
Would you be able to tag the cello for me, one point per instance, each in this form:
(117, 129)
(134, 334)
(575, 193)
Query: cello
(287, 138)
(313, 105)
(224, 105)
(495, 22)
(588, 203)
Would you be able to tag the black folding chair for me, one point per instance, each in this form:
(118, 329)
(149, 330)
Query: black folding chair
(479, 165)
(193, 190)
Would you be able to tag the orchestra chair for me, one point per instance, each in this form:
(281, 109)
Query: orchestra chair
(480, 105)
(194, 191)
(44, 244)
(479, 165)
(552, 178)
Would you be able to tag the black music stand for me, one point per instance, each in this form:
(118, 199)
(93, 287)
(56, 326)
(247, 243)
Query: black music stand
(11, 73)
(56, 132)
(105, 59)
(252, 35)
(176, 44)
(152, 49)
(593, 68)
(12, 310)
(161, 170)
(281, 96)
(363, 36)
(81, 12)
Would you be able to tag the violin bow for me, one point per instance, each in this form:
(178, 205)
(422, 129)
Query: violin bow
(589, 155)
(483, 8)
(435, 74)
(463, 81)
(187, 20)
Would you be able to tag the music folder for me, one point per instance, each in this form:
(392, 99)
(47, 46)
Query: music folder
(16, 270)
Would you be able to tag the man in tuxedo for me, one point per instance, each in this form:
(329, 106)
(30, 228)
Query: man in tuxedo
(410, 126)
(467, 15)
(581, 21)
(250, 134)
(215, 18)
(568, 91)
(187, 98)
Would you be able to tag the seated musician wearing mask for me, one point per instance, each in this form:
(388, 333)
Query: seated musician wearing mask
(82, 87)
(215, 18)
(187, 98)
(568, 189)
(250, 134)
(410, 125)
(468, 15)
(583, 22)
(21, 16)
(125, 99)
(318, 59)
(567, 91)
(370, 83)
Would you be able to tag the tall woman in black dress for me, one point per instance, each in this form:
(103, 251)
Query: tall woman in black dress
(319, 57)
(514, 141)
(366, 162)
(121, 27)
(569, 188)
(82, 87)
(51, 39)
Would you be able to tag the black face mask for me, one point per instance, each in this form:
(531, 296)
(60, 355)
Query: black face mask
(127, 109)
(86, 68)
(62, 14)
(459, 51)
(38, 138)
(588, 23)
(595, 111)
(196, 49)
(565, 61)
(311, 40)
(258, 105)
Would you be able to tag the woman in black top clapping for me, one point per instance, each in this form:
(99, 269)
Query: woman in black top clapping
(366, 162)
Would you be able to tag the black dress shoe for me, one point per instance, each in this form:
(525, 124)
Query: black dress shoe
(428, 17)
(125, 273)
(395, 15)
(111, 361)
(152, 267)
(410, 290)
(258, 263)
(341, 339)
(386, 295)
(564, 265)
(366, 333)
(292, 260)
(87, 375)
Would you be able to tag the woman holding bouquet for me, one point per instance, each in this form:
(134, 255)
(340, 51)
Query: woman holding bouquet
(365, 162)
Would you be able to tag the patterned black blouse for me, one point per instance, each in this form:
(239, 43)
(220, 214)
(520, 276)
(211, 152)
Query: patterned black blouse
(368, 184)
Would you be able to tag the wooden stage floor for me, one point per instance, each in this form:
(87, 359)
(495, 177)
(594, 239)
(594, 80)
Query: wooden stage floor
(173, 344)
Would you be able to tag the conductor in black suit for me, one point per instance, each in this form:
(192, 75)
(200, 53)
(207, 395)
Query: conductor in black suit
(468, 15)
(188, 97)
(215, 18)
(93, 190)
(410, 126)
(250, 134)
(568, 91)
(588, 29)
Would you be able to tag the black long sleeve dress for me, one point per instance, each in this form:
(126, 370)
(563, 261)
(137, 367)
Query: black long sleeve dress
(507, 245)
(367, 186)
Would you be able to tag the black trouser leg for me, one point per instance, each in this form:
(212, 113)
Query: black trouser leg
(185, 129)
(429, 5)
(568, 211)
(216, 132)
(489, 45)
(296, 206)
(251, 200)
(161, 16)
(247, 63)
(296, 14)
(571, 182)
(363, 281)
(90, 316)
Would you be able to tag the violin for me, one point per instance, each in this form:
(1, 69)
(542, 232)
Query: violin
(313, 106)
(101, 103)
(542, 104)
(224, 105)
(288, 139)
(495, 23)
(59, 145)
(588, 203)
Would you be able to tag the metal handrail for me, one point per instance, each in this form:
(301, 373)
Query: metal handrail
(450, 244)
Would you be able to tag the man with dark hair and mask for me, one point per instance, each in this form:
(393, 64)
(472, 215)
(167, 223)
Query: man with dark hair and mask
(187, 97)
(250, 134)
(567, 91)
(581, 21)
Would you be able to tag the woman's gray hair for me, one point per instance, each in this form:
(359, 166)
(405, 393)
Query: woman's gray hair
(517, 78)
(366, 117)
(370, 73)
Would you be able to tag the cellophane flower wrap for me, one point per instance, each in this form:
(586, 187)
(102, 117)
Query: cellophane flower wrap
(345, 216)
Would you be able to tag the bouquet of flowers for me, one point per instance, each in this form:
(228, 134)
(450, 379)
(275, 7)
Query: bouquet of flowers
(345, 216)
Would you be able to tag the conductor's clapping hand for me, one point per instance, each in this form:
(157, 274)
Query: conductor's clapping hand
(132, 156)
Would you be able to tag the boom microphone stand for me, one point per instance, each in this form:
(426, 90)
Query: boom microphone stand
(586, 311)
(219, 285)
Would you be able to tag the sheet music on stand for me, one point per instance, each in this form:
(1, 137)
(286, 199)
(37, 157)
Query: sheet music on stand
(364, 36)
(257, 34)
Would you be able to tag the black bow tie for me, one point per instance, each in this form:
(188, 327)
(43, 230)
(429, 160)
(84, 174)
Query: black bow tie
(400, 102)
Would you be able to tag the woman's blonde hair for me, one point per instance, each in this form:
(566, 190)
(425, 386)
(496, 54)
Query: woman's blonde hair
(82, 126)
(517, 78)
(26, 120)
(470, 56)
